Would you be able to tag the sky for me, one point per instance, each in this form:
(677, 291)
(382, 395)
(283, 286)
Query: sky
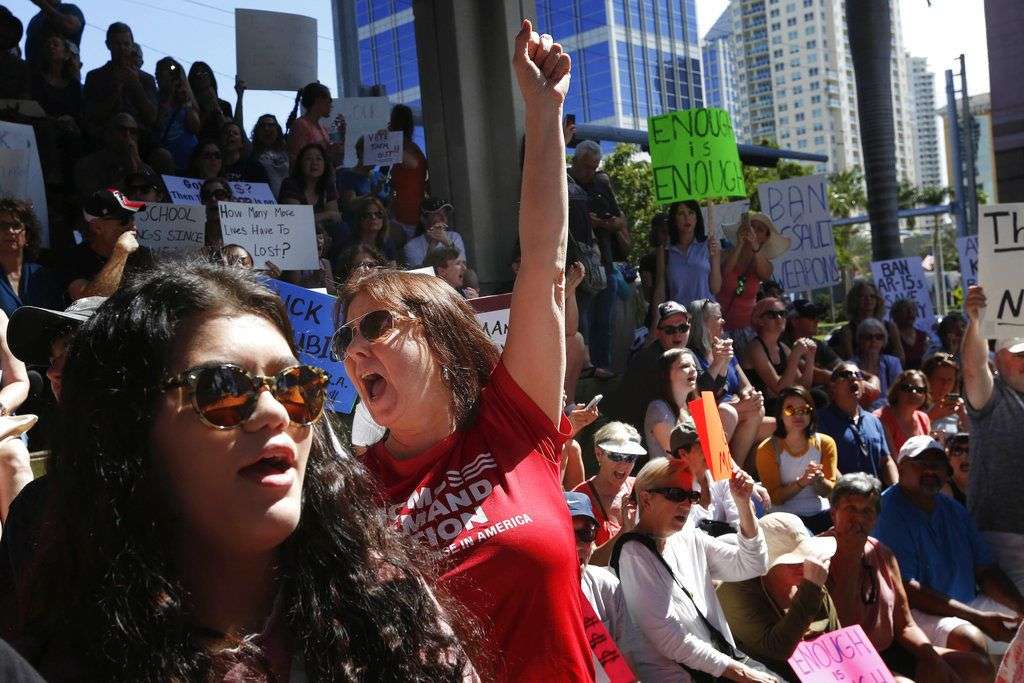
(940, 32)
(191, 30)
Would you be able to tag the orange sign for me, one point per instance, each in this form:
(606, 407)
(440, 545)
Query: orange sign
(704, 412)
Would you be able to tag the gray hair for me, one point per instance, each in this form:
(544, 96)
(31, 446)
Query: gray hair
(857, 484)
(872, 325)
(588, 148)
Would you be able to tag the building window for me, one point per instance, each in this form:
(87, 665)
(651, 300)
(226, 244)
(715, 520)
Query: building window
(815, 99)
(791, 21)
(820, 140)
(799, 116)
(811, 44)
(813, 71)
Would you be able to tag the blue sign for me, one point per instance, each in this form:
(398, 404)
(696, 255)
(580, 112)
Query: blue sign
(312, 318)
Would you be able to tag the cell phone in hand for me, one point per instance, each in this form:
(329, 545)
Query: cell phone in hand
(594, 401)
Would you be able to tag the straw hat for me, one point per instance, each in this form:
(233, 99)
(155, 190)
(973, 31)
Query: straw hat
(777, 245)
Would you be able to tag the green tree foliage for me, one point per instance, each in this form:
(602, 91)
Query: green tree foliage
(846, 198)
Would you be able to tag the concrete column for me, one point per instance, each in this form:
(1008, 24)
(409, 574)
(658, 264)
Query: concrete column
(473, 121)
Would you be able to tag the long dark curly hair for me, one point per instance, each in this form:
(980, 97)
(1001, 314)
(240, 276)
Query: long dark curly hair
(105, 595)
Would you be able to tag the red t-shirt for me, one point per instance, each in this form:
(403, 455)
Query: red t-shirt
(491, 498)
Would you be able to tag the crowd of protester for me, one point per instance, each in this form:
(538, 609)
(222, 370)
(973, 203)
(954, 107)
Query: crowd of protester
(190, 525)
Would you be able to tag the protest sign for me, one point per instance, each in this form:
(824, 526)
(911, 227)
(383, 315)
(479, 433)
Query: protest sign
(694, 155)
(382, 148)
(18, 136)
(186, 191)
(172, 228)
(843, 655)
(1000, 247)
(274, 50)
(492, 314)
(903, 278)
(363, 115)
(713, 443)
(251, 193)
(285, 235)
(799, 209)
(14, 165)
(967, 249)
(183, 190)
(312, 318)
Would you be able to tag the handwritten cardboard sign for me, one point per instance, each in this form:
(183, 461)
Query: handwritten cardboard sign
(967, 249)
(1000, 247)
(799, 209)
(845, 655)
(172, 228)
(283, 234)
(183, 190)
(903, 278)
(251, 193)
(18, 136)
(14, 165)
(186, 191)
(275, 50)
(363, 116)
(312, 318)
(694, 155)
(382, 148)
(713, 443)
(492, 314)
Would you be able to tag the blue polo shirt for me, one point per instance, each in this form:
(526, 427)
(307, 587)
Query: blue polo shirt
(860, 443)
(941, 549)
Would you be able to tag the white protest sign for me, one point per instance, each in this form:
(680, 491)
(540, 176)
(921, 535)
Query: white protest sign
(274, 50)
(903, 278)
(183, 190)
(492, 314)
(362, 115)
(382, 148)
(186, 191)
(21, 136)
(172, 228)
(799, 209)
(724, 214)
(14, 173)
(967, 249)
(285, 234)
(251, 193)
(1000, 246)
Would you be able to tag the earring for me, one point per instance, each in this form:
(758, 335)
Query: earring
(446, 375)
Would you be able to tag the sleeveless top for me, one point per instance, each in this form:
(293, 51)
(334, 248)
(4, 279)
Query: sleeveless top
(887, 416)
(737, 297)
(409, 186)
(770, 402)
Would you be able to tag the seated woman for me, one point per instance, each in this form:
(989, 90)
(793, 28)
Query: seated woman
(311, 182)
(616, 448)
(863, 301)
(947, 409)
(370, 227)
(903, 416)
(24, 282)
(958, 450)
(200, 511)
(666, 569)
(205, 161)
(739, 402)
(432, 232)
(357, 259)
(864, 582)
(770, 615)
(914, 341)
(797, 464)
(770, 364)
(879, 368)
(678, 386)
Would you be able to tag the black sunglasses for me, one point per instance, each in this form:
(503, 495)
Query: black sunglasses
(225, 395)
(620, 457)
(910, 388)
(675, 329)
(847, 374)
(774, 313)
(587, 534)
(371, 326)
(677, 495)
(372, 214)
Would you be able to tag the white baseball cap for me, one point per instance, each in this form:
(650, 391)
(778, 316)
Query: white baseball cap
(1013, 344)
(917, 446)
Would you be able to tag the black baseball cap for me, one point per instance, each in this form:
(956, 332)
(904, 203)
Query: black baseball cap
(109, 203)
(435, 204)
(31, 330)
(802, 308)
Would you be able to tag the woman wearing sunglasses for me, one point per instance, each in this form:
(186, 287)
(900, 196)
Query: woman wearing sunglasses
(798, 464)
(470, 462)
(903, 416)
(666, 568)
(202, 528)
(616, 448)
(371, 227)
(880, 369)
(769, 363)
(865, 584)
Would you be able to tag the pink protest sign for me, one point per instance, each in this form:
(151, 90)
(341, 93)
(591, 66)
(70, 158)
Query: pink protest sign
(843, 655)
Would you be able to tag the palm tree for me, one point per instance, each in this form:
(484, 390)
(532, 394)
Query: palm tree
(870, 28)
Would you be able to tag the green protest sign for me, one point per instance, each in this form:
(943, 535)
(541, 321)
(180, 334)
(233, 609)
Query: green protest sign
(694, 156)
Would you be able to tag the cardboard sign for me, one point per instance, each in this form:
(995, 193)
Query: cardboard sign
(382, 148)
(186, 191)
(1000, 247)
(799, 209)
(706, 418)
(14, 165)
(363, 116)
(492, 313)
(903, 278)
(967, 249)
(251, 193)
(284, 234)
(694, 155)
(274, 50)
(18, 136)
(172, 228)
(843, 655)
(312, 318)
(183, 190)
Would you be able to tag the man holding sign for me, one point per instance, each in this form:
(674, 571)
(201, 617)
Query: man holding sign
(995, 405)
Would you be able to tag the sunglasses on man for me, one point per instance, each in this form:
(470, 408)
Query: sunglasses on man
(586, 533)
(675, 329)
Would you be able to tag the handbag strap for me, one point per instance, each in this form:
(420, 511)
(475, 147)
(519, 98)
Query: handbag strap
(597, 497)
(718, 641)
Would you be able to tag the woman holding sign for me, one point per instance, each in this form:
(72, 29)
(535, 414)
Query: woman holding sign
(693, 262)
(756, 241)
(473, 434)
